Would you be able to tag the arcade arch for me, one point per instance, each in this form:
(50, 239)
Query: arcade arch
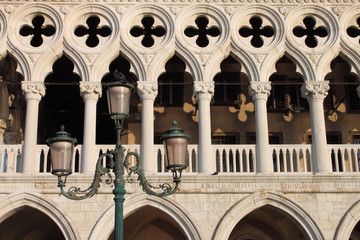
(258, 204)
(164, 211)
(16, 207)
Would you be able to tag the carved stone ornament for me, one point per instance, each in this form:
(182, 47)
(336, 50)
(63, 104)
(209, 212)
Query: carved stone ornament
(229, 10)
(315, 89)
(174, 10)
(90, 90)
(337, 10)
(147, 90)
(259, 90)
(33, 90)
(120, 10)
(64, 9)
(204, 87)
(8, 9)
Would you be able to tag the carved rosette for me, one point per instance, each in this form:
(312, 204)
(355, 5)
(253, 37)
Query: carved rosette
(90, 90)
(259, 90)
(147, 90)
(33, 90)
(204, 90)
(315, 90)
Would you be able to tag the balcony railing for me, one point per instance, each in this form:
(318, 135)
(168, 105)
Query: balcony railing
(239, 159)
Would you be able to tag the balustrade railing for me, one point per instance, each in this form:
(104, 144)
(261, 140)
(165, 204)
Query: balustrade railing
(235, 158)
(228, 158)
(291, 158)
(10, 158)
(345, 158)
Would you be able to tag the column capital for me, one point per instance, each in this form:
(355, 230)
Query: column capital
(204, 89)
(33, 90)
(90, 90)
(315, 89)
(147, 90)
(259, 90)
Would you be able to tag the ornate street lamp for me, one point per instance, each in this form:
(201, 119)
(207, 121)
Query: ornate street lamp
(62, 148)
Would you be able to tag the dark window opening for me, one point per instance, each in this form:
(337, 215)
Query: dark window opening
(356, 139)
(274, 138)
(331, 138)
(285, 93)
(229, 138)
(228, 83)
(62, 103)
(105, 133)
(171, 84)
(343, 86)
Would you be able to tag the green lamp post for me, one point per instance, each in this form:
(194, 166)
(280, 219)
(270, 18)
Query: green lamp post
(62, 148)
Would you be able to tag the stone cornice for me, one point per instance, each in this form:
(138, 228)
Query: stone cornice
(230, 184)
(229, 3)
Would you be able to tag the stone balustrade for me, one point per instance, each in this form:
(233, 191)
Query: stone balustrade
(294, 158)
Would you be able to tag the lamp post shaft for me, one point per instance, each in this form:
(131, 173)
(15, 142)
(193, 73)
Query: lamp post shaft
(119, 199)
(119, 182)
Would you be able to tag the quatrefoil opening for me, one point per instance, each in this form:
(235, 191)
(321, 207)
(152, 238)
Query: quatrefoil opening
(92, 30)
(37, 30)
(257, 31)
(310, 31)
(148, 31)
(202, 31)
(354, 31)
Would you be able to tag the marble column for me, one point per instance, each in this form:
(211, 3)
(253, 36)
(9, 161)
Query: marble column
(315, 92)
(90, 92)
(260, 91)
(33, 92)
(206, 158)
(147, 92)
(358, 91)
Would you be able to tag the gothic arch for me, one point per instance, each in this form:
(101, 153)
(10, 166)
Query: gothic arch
(35, 61)
(348, 222)
(105, 225)
(349, 46)
(313, 61)
(156, 55)
(14, 201)
(257, 200)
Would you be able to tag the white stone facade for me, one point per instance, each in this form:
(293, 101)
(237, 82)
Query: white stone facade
(314, 195)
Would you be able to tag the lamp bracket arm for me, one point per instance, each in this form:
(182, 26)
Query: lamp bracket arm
(166, 188)
(75, 193)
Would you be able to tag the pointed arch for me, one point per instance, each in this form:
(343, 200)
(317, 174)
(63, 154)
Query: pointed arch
(191, 63)
(80, 65)
(257, 200)
(348, 222)
(353, 60)
(105, 225)
(14, 201)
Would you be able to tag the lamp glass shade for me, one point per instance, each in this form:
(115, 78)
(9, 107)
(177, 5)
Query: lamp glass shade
(61, 152)
(176, 153)
(118, 97)
(61, 157)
